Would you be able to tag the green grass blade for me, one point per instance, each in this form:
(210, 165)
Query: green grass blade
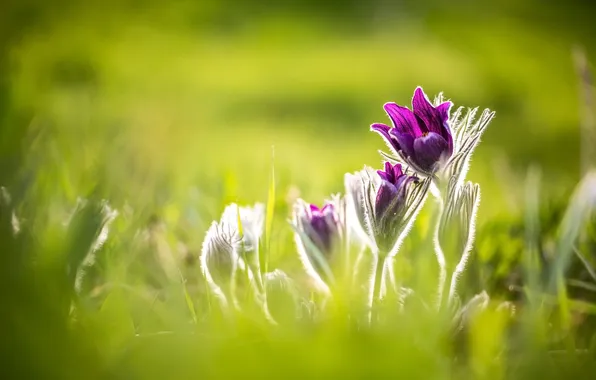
(576, 215)
(269, 217)
(531, 260)
(189, 303)
(589, 268)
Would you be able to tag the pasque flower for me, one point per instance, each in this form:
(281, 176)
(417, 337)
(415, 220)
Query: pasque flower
(392, 192)
(456, 230)
(390, 203)
(235, 236)
(384, 202)
(322, 226)
(421, 136)
(318, 236)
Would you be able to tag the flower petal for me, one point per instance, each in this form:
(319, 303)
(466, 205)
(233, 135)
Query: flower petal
(321, 225)
(252, 220)
(425, 112)
(403, 119)
(320, 233)
(380, 128)
(449, 143)
(328, 208)
(404, 141)
(358, 219)
(217, 255)
(397, 172)
(385, 197)
(387, 173)
(388, 167)
(429, 150)
(383, 175)
(384, 130)
(443, 112)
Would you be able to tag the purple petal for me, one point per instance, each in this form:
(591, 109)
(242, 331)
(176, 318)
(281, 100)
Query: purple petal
(429, 150)
(402, 185)
(397, 172)
(380, 128)
(383, 175)
(426, 113)
(403, 119)
(405, 142)
(384, 130)
(321, 226)
(420, 100)
(386, 173)
(401, 181)
(388, 167)
(320, 233)
(328, 208)
(385, 195)
(443, 112)
(449, 139)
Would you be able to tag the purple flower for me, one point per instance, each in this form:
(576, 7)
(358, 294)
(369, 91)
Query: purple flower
(421, 137)
(382, 205)
(391, 197)
(391, 193)
(320, 225)
(318, 236)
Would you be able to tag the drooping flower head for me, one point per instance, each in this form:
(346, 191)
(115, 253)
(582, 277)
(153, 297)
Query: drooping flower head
(421, 136)
(384, 204)
(318, 236)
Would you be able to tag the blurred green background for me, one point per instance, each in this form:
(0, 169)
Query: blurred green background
(172, 109)
(134, 94)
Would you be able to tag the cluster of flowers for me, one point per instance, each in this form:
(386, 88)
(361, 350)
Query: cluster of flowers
(430, 152)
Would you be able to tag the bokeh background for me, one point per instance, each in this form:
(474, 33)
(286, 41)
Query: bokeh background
(141, 94)
(175, 108)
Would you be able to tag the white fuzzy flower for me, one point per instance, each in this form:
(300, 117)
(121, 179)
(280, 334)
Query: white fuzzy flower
(238, 232)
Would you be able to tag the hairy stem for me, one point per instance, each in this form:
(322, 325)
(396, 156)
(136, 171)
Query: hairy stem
(440, 255)
(234, 282)
(380, 271)
(257, 269)
(390, 282)
(375, 283)
(356, 266)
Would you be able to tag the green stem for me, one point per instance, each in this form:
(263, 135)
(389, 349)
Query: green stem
(379, 264)
(375, 284)
(440, 255)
